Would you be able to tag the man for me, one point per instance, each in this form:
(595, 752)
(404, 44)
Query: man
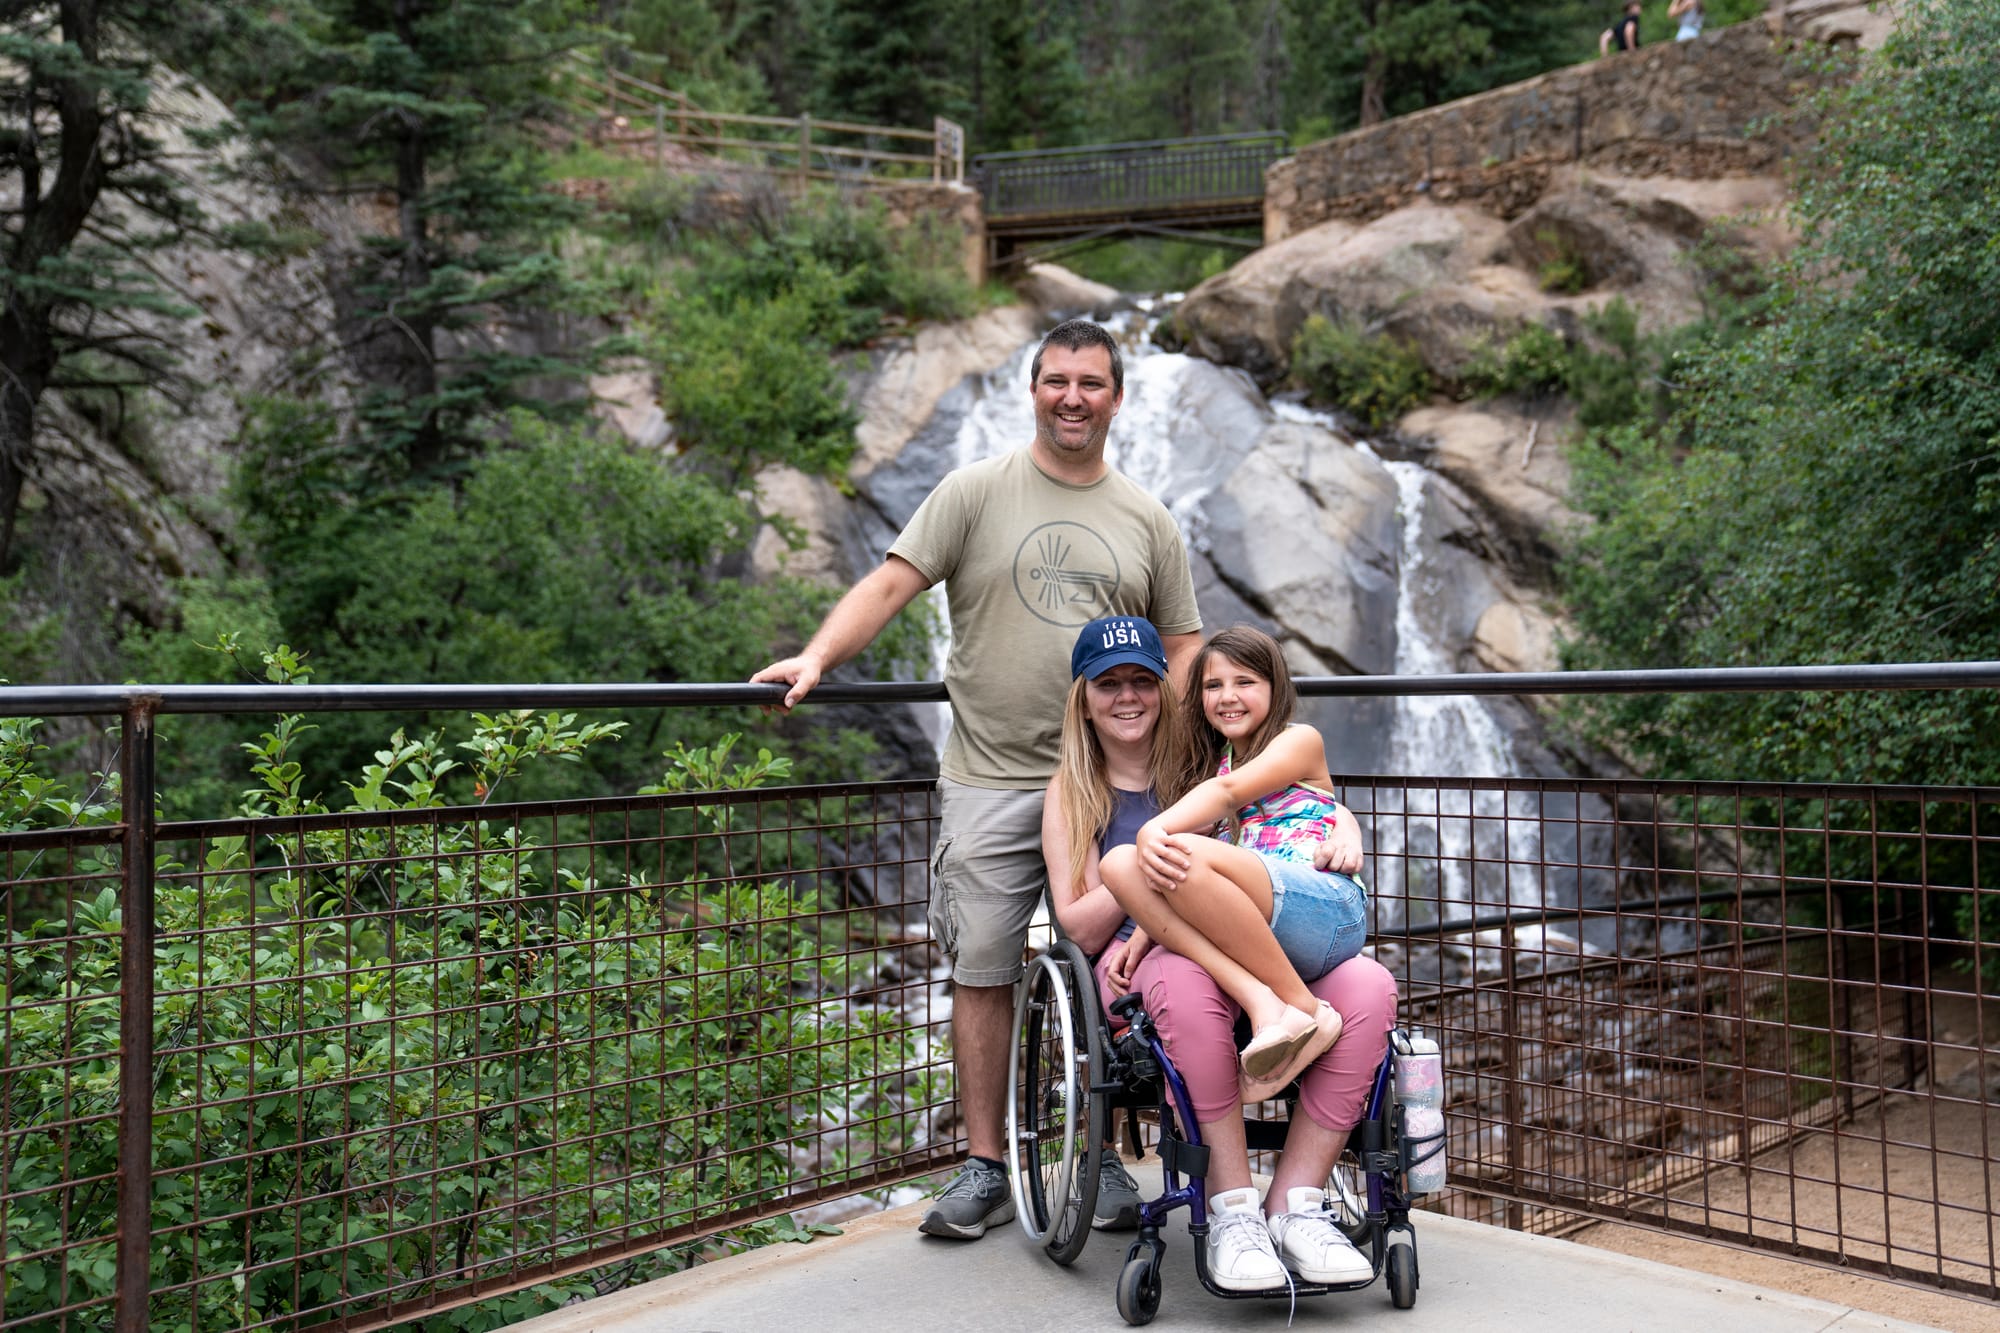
(1624, 34)
(1031, 546)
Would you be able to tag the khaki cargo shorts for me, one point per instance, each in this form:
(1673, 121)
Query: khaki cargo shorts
(987, 878)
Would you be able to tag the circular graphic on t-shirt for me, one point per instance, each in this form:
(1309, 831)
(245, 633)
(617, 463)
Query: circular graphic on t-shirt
(1066, 574)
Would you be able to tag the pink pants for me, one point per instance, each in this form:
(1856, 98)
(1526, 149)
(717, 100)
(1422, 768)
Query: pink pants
(1197, 1024)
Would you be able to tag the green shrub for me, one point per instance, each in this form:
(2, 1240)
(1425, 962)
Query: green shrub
(1564, 271)
(1533, 362)
(391, 1057)
(1375, 376)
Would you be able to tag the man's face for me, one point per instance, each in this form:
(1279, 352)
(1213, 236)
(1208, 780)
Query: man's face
(1074, 401)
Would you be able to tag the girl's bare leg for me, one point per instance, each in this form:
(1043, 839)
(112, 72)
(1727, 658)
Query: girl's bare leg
(1208, 907)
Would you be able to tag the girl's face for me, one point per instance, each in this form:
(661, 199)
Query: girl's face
(1234, 699)
(1124, 703)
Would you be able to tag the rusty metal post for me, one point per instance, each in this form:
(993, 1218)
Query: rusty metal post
(1516, 1163)
(135, 1022)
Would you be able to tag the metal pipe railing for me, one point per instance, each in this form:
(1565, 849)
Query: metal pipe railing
(139, 841)
(104, 700)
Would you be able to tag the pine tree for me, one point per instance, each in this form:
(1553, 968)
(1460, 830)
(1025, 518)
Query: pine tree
(885, 62)
(1194, 61)
(1357, 62)
(429, 107)
(1027, 86)
(87, 200)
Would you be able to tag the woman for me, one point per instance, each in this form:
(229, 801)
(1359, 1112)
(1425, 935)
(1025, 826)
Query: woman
(1119, 748)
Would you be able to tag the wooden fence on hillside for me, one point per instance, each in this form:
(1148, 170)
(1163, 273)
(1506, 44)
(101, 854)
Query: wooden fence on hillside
(672, 131)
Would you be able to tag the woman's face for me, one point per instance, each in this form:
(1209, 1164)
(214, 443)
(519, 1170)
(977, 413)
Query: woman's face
(1124, 704)
(1234, 699)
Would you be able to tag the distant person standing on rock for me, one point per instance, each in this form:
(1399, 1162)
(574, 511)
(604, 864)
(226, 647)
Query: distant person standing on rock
(1690, 15)
(1624, 34)
(1031, 546)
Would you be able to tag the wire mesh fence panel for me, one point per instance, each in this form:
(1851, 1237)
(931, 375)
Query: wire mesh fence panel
(1725, 1009)
(406, 1061)
(59, 1053)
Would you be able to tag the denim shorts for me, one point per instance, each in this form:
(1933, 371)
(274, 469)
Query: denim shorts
(1319, 916)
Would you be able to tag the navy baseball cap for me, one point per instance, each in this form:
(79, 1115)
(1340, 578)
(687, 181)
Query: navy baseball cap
(1114, 641)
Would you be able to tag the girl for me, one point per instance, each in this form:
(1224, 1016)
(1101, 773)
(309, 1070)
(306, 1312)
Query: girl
(1254, 912)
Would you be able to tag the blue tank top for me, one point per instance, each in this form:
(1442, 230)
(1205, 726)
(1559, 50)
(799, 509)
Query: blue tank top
(1129, 810)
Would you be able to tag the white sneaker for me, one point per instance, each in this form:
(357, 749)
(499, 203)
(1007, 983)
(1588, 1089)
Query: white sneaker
(1240, 1255)
(1312, 1246)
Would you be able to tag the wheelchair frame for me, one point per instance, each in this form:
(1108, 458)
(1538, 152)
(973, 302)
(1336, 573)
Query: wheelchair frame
(1068, 1076)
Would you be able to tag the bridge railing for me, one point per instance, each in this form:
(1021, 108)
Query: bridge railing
(374, 1064)
(1107, 177)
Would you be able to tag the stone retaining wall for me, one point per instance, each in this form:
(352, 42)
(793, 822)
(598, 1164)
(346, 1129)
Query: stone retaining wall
(1685, 109)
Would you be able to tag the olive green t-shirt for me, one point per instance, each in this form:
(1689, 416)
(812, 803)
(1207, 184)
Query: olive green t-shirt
(1027, 561)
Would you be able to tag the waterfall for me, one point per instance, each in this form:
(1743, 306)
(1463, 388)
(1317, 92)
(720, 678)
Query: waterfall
(1452, 846)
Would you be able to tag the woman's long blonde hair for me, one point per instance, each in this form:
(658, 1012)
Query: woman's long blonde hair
(1202, 746)
(1086, 782)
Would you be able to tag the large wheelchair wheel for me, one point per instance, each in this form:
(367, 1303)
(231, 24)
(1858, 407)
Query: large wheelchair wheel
(1055, 1120)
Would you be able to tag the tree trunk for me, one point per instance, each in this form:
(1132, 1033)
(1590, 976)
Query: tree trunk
(415, 326)
(18, 395)
(1374, 80)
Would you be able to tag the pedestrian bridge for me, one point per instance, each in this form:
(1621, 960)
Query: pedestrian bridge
(1045, 201)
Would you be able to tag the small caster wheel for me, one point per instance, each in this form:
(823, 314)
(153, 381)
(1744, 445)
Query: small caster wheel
(1402, 1266)
(1139, 1290)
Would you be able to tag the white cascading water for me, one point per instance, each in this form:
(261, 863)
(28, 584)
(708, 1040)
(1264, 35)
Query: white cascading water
(1454, 846)
(1466, 839)
(1461, 846)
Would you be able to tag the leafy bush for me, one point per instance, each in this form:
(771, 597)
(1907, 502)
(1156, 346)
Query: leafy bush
(750, 382)
(1613, 375)
(1564, 270)
(393, 1057)
(1375, 376)
(1830, 491)
(1533, 362)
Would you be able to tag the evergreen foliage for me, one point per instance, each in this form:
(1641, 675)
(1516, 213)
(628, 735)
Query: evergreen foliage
(885, 62)
(88, 200)
(1028, 88)
(429, 105)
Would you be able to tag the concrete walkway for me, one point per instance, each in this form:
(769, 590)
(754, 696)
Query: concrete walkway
(882, 1275)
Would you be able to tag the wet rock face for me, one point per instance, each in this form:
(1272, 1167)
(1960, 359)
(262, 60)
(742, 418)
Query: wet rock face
(1304, 529)
(1293, 526)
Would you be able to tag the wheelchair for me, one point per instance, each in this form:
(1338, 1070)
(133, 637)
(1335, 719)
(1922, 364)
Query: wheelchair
(1071, 1074)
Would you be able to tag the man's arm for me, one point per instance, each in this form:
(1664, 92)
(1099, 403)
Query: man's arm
(851, 626)
(1181, 649)
(1604, 42)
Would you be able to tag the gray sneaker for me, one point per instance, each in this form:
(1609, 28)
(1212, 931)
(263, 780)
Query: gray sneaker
(976, 1198)
(1117, 1197)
